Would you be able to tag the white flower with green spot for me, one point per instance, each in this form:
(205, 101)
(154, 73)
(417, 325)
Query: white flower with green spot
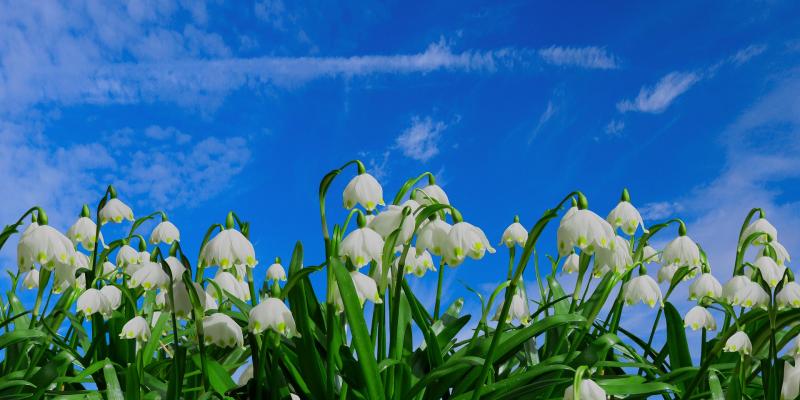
(754, 295)
(46, 246)
(699, 318)
(422, 264)
(627, 217)
(649, 255)
(514, 234)
(518, 310)
(31, 280)
(92, 302)
(221, 330)
(183, 303)
(615, 257)
(465, 240)
(275, 272)
(115, 211)
(431, 194)
(706, 285)
(149, 276)
(760, 225)
(588, 390)
(366, 288)
(136, 328)
(83, 231)
(176, 267)
(228, 283)
(571, 264)
(583, 229)
(274, 315)
(781, 255)
(734, 290)
(789, 296)
(388, 220)
(771, 272)
(738, 342)
(643, 289)
(227, 248)
(113, 296)
(165, 232)
(432, 235)
(363, 189)
(790, 387)
(127, 255)
(681, 251)
(667, 272)
(362, 246)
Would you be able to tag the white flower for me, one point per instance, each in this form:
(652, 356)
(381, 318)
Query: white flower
(246, 375)
(649, 255)
(642, 288)
(770, 270)
(113, 296)
(108, 268)
(667, 272)
(127, 255)
(165, 232)
(362, 246)
(136, 328)
(366, 288)
(149, 276)
(681, 251)
(733, 291)
(31, 279)
(706, 285)
(616, 257)
(228, 283)
(83, 231)
(92, 301)
(789, 296)
(515, 233)
(738, 342)
(115, 210)
(275, 272)
(760, 225)
(699, 317)
(465, 240)
(422, 264)
(625, 215)
(781, 255)
(44, 245)
(432, 235)
(571, 264)
(583, 229)
(272, 314)
(363, 189)
(176, 267)
(388, 220)
(754, 296)
(795, 350)
(518, 310)
(64, 277)
(424, 195)
(790, 388)
(183, 304)
(588, 391)
(229, 247)
(222, 331)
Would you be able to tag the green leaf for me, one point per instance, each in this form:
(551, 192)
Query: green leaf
(218, 377)
(677, 346)
(113, 391)
(715, 387)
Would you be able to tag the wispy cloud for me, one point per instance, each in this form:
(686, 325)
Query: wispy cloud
(583, 57)
(660, 210)
(546, 115)
(615, 127)
(657, 98)
(746, 54)
(420, 141)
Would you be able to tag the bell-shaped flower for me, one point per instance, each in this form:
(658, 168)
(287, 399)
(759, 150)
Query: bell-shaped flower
(699, 317)
(588, 390)
(616, 257)
(585, 230)
(183, 302)
(127, 255)
(149, 276)
(388, 220)
(518, 310)
(246, 375)
(465, 240)
(222, 331)
(91, 302)
(571, 264)
(649, 255)
(108, 268)
(789, 296)
(272, 314)
(363, 189)
(514, 234)
(113, 296)
(136, 328)
(681, 251)
(706, 285)
(738, 342)
(781, 255)
(228, 248)
(176, 267)
(366, 288)
(733, 291)
(642, 288)
(667, 272)
(115, 210)
(790, 388)
(627, 217)
(429, 195)
(432, 236)
(64, 277)
(362, 246)
(422, 264)
(46, 246)
(760, 225)
(31, 280)
(165, 232)
(228, 283)
(771, 272)
(754, 296)
(275, 272)
(83, 231)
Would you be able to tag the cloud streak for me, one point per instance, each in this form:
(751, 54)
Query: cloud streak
(657, 98)
(583, 57)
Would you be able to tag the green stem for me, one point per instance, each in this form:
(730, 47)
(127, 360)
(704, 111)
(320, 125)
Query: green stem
(439, 290)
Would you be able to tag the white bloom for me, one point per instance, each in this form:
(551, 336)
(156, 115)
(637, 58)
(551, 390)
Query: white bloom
(706, 285)
(733, 291)
(275, 272)
(149, 276)
(771, 272)
(649, 255)
(754, 296)
(795, 350)
(763, 226)
(44, 245)
(515, 233)
(583, 229)
(681, 251)
(432, 235)
(229, 247)
(136, 328)
(738, 342)
(246, 375)
(176, 267)
(222, 331)
(625, 215)
(363, 189)
(127, 255)
(31, 279)
(366, 288)
(113, 296)
(519, 309)
(431, 192)
(699, 317)
(362, 246)
(571, 264)
(781, 255)
(465, 240)
(115, 210)
(388, 220)
(790, 388)
(667, 272)
(642, 288)
(108, 268)
(183, 304)
(228, 283)
(83, 231)
(165, 232)
(272, 314)
(422, 264)
(589, 390)
(616, 257)
(92, 301)
(789, 296)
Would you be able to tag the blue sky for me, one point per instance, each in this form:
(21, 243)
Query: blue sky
(198, 108)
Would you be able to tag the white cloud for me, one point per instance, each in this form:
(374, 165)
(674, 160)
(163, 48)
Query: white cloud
(166, 133)
(420, 141)
(744, 55)
(615, 127)
(655, 99)
(584, 57)
(659, 210)
(547, 114)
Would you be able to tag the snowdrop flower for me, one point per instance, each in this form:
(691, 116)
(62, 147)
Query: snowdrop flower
(667, 272)
(149, 276)
(518, 310)
(272, 314)
(514, 234)
(91, 302)
(64, 277)
(681, 251)
(626, 216)
(571, 264)
(362, 246)
(465, 240)
(585, 230)
(228, 248)
(115, 210)
(781, 255)
(388, 220)
(795, 350)
(432, 235)
(588, 390)
(176, 267)
(699, 317)
(83, 231)
(363, 189)
(108, 268)
(275, 272)
(228, 283)
(790, 388)
(754, 296)
(113, 296)
(183, 303)
(733, 291)
(770, 270)
(246, 375)
(649, 255)
(705, 286)
(31, 280)
(431, 192)
(366, 288)
(127, 255)
(165, 232)
(46, 246)
(222, 331)
(738, 342)
(642, 288)
(136, 328)
(763, 226)
(422, 264)
(616, 257)
(789, 296)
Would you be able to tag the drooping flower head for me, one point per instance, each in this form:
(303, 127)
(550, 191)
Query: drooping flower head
(761, 225)
(583, 229)
(136, 328)
(31, 280)
(92, 302)
(430, 194)
(366, 288)
(789, 296)
(571, 264)
(363, 189)
(771, 272)
(362, 246)
(626, 216)
(465, 240)
(699, 317)
(643, 289)
(589, 390)
(616, 257)
(228, 248)
(681, 251)
(228, 283)
(83, 232)
(706, 285)
(115, 211)
(275, 272)
(222, 330)
(518, 310)
(149, 276)
(46, 246)
(514, 234)
(165, 232)
(272, 314)
(735, 289)
(432, 236)
(388, 220)
(738, 342)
